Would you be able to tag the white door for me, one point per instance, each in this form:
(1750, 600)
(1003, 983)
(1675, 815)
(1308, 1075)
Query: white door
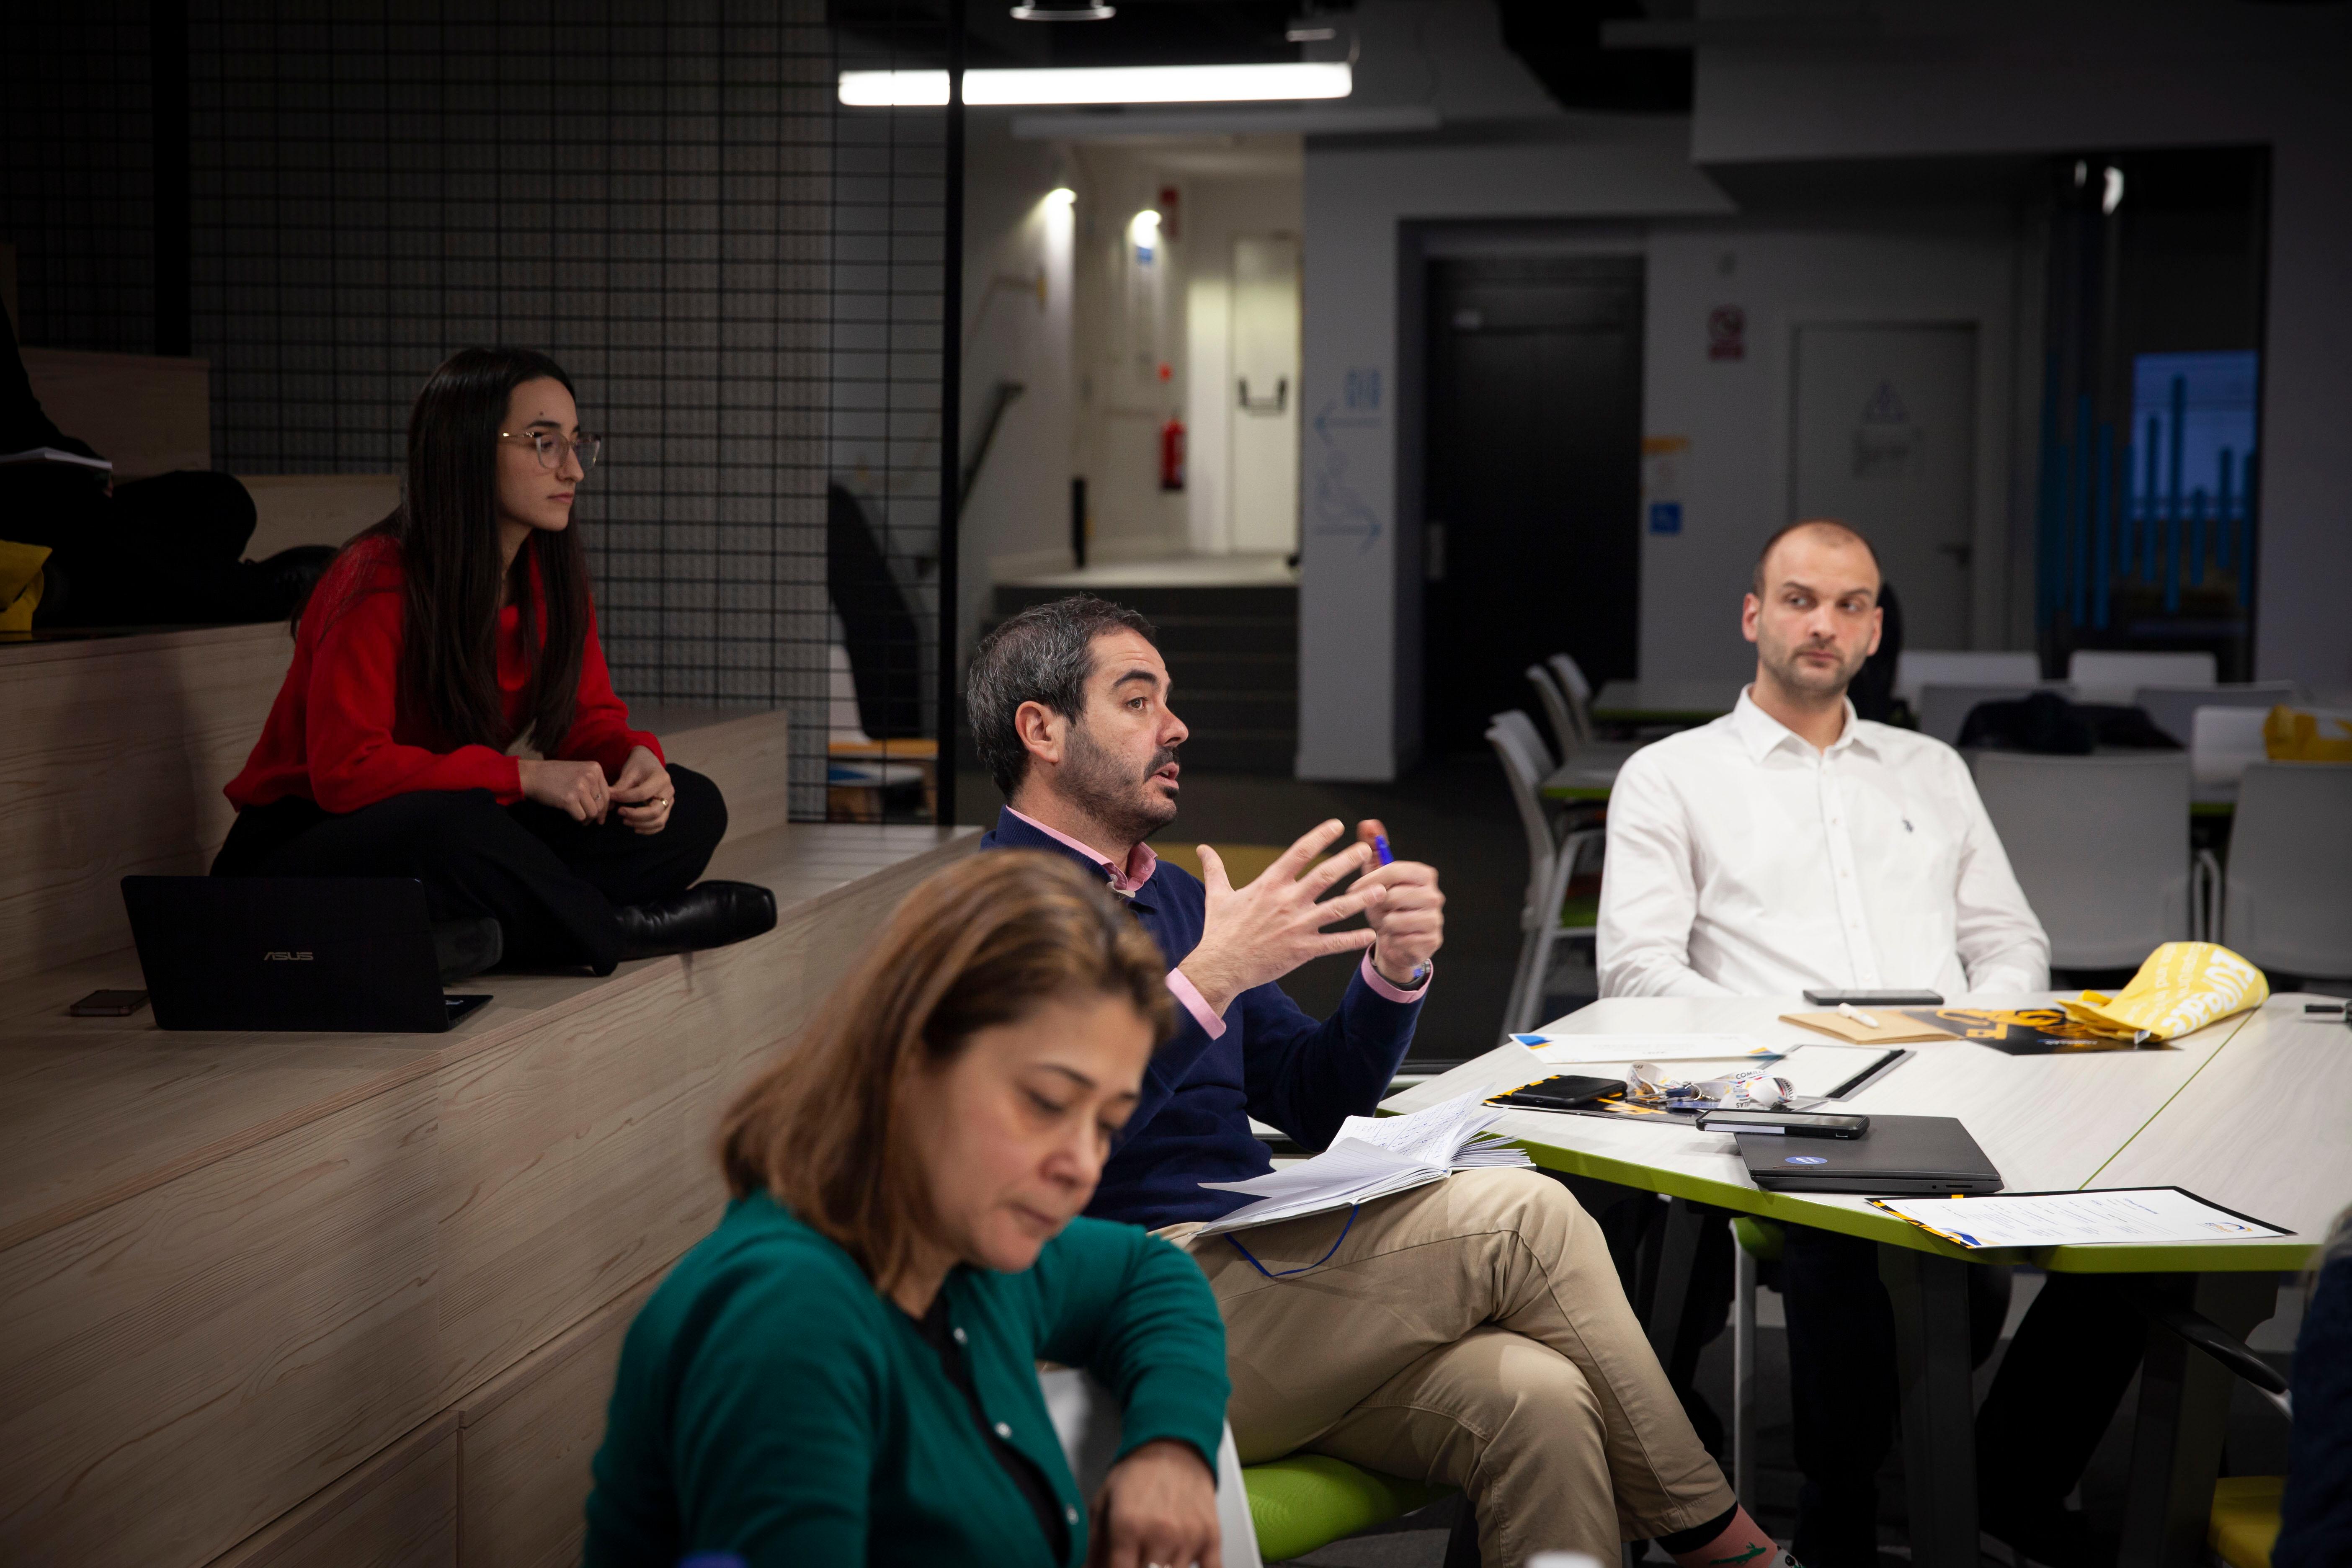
(1885, 439)
(1263, 399)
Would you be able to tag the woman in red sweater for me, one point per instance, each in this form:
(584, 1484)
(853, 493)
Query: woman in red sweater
(439, 636)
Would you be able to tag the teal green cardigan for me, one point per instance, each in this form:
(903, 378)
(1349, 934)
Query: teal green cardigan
(773, 1404)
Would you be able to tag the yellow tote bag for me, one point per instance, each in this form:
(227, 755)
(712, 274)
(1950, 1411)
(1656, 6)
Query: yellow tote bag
(20, 583)
(2182, 986)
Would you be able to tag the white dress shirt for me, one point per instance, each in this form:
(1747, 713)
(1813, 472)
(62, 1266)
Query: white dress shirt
(1743, 862)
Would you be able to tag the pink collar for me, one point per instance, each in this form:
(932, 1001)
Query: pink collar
(1140, 860)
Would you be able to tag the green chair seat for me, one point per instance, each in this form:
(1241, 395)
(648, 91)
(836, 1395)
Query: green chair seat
(1759, 1238)
(1307, 1501)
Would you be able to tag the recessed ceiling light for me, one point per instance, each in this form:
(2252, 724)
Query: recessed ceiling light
(1031, 11)
(1103, 84)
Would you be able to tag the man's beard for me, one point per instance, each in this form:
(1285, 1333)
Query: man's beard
(1795, 676)
(1094, 780)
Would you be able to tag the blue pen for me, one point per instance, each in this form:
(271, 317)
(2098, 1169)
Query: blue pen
(1381, 848)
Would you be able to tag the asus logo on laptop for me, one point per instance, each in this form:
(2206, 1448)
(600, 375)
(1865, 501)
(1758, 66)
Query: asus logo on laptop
(284, 957)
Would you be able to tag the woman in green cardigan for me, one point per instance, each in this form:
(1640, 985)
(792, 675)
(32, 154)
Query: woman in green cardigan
(844, 1371)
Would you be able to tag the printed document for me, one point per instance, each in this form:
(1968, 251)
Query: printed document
(2144, 1214)
(1372, 1157)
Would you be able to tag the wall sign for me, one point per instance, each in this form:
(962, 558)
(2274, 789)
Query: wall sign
(1727, 333)
(1661, 482)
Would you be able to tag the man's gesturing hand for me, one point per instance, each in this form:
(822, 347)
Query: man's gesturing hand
(1410, 923)
(1269, 928)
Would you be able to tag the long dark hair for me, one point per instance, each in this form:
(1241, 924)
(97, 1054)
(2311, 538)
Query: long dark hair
(447, 530)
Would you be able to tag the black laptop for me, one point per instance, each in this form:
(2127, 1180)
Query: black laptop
(1899, 1157)
(313, 953)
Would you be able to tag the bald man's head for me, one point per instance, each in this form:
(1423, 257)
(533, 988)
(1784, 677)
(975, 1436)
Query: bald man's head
(1814, 614)
(1823, 528)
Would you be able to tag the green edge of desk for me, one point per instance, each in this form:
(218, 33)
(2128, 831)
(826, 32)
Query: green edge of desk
(2242, 1257)
(2187, 1258)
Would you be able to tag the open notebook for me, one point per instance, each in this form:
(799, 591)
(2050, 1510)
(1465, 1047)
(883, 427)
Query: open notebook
(1372, 1157)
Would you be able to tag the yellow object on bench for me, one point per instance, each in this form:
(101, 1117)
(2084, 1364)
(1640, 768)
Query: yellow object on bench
(21, 581)
(2245, 1523)
(1307, 1501)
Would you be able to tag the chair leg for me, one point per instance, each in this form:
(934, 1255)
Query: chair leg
(1743, 1375)
(1511, 1024)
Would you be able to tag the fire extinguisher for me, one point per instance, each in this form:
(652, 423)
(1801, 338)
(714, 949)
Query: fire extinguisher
(1171, 454)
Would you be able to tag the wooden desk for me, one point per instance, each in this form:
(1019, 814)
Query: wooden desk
(1665, 701)
(2052, 1122)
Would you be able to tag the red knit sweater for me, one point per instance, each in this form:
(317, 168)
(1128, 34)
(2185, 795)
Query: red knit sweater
(339, 734)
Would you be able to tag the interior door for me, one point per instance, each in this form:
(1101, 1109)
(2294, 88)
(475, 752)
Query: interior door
(1885, 439)
(1533, 480)
(1264, 394)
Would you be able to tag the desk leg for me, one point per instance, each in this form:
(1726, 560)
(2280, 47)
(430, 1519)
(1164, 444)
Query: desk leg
(2184, 1414)
(1677, 1262)
(1743, 1376)
(1930, 1297)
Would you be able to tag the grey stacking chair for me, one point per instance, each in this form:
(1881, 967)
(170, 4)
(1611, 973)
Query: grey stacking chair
(2101, 847)
(1555, 843)
(1556, 709)
(2287, 897)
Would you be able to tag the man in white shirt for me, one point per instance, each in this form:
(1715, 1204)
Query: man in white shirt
(1791, 844)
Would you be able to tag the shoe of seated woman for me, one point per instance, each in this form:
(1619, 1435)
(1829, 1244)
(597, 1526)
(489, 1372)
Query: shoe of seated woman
(709, 914)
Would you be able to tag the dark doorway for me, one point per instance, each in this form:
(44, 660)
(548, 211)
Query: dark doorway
(1533, 487)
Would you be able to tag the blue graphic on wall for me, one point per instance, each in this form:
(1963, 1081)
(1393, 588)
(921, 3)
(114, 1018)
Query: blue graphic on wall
(2170, 504)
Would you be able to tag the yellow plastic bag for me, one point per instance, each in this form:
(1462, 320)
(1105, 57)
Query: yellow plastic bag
(2183, 986)
(21, 582)
(2291, 735)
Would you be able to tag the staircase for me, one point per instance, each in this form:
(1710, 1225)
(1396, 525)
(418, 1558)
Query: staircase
(1232, 653)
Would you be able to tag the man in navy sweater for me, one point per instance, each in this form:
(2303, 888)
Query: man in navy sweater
(1472, 1333)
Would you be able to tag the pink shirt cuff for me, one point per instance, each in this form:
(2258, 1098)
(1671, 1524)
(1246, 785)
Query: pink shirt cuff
(1380, 987)
(1184, 991)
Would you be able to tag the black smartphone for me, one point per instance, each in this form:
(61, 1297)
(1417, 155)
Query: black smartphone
(108, 1005)
(1876, 998)
(1795, 1123)
(1565, 1092)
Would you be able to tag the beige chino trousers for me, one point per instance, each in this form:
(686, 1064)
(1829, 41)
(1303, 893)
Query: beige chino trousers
(1471, 1332)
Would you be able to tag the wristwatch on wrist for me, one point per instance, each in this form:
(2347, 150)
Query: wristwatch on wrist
(1420, 974)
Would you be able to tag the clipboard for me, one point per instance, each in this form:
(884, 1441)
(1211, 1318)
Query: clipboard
(1893, 1028)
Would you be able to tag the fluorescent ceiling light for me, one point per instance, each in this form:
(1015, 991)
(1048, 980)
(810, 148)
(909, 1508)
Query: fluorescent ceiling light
(1103, 84)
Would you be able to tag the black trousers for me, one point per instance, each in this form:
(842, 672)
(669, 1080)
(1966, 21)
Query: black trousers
(550, 882)
(2058, 1387)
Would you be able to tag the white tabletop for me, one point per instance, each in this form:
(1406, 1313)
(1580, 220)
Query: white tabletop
(2047, 1122)
(2265, 1130)
(1666, 699)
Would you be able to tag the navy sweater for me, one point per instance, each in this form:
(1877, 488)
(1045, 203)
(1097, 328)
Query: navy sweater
(2316, 1515)
(1273, 1062)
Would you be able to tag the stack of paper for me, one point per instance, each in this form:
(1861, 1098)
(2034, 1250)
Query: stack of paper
(1372, 1157)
